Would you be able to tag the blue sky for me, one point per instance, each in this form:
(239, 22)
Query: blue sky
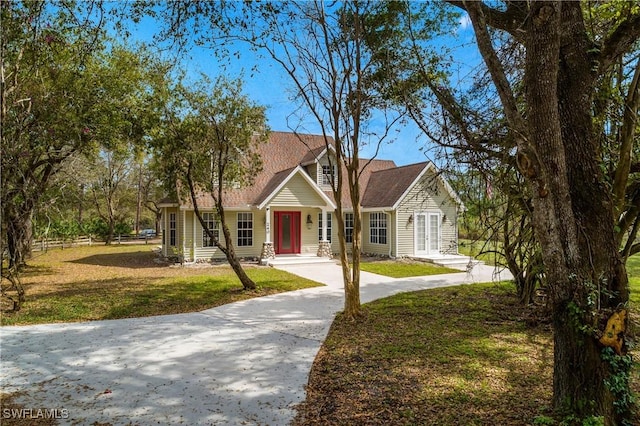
(271, 87)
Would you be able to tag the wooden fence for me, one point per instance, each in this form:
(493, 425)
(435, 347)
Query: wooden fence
(45, 243)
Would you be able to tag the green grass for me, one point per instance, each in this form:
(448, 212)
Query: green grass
(109, 300)
(466, 355)
(481, 250)
(98, 283)
(398, 269)
(449, 356)
(633, 270)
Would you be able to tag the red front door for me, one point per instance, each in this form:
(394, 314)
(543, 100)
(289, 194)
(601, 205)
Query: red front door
(287, 231)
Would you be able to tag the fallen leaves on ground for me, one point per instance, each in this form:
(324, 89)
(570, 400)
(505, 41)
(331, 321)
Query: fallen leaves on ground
(465, 355)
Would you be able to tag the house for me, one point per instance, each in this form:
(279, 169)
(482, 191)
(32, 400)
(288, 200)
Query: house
(406, 211)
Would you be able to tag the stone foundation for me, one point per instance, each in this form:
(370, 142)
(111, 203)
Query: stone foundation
(324, 249)
(268, 251)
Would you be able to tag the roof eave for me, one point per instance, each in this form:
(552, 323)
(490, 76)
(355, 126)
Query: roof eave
(168, 205)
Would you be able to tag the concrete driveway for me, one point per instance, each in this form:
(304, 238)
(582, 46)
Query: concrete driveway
(242, 363)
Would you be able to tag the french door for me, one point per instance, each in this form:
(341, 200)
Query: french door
(427, 233)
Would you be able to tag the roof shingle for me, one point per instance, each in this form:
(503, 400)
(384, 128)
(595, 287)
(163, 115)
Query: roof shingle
(385, 187)
(381, 182)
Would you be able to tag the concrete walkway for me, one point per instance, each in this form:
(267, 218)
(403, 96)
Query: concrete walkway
(242, 363)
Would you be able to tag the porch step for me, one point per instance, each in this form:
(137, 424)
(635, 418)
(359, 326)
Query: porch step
(454, 261)
(297, 260)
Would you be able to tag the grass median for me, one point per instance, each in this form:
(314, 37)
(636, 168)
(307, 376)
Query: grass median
(404, 268)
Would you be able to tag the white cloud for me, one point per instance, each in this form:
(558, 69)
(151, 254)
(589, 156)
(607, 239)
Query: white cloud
(465, 22)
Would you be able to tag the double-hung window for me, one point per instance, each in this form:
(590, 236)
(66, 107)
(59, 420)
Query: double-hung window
(245, 229)
(172, 229)
(211, 222)
(328, 174)
(378, 228)
(328, 226)
(348, 227)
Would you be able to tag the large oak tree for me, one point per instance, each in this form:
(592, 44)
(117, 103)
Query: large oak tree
(546, 110)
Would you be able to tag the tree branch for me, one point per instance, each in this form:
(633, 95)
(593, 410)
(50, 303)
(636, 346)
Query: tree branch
(619, 42)
(496, 70)
(626, 144)
(510, 20)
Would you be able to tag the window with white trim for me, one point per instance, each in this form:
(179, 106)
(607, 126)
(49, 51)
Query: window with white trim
(378, 228)
(245, 229)
(328, 226)
(172, 229)
(328, 174)
(211, 222)
(348, 227)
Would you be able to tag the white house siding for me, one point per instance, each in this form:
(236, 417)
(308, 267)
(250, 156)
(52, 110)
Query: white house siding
(259, 234)
(379, 249)
(309, 237)
(297, 193)
(232, 222)
(312, 170)
(428, 195)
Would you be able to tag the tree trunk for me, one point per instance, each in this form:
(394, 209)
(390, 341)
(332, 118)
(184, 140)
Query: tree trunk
(138, 200)
(110, 233)
(586, 278)
(352, 306)
(19, 236)
(158, 218)
(229, 251)
(350, 274)
(227, 248)
(579, 371)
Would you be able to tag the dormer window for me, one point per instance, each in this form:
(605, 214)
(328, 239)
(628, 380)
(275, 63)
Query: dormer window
(328, 174)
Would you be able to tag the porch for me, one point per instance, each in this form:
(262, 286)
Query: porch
(296, 259)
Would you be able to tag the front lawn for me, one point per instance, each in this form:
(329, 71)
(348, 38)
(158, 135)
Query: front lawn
(404, 268)
(466, 355)
(123, 281)
(448, 356)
